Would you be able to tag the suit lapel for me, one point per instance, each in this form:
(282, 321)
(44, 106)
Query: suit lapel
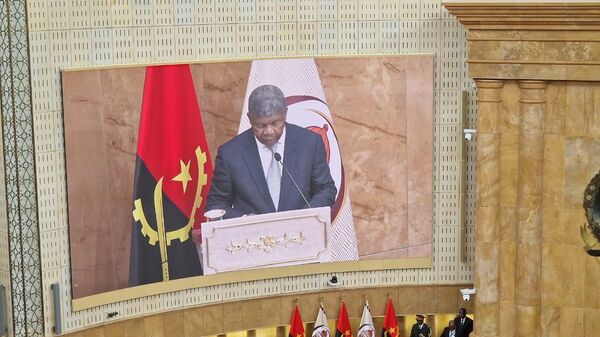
(290, 158)
(252, 160)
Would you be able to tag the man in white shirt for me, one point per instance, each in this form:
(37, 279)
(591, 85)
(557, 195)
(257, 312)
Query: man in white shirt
(449, 331)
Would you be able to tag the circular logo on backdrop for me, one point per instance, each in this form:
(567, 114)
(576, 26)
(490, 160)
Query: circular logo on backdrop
(313, 114)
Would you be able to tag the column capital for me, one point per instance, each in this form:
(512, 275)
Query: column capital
(533, 84)
(542, 40)
(489, 84)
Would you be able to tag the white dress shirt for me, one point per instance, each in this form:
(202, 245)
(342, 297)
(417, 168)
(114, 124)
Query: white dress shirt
(265, 153)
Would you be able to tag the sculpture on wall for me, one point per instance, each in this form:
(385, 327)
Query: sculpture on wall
(590, 233)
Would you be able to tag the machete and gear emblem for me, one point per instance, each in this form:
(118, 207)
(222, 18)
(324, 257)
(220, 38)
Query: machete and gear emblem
(160, 234)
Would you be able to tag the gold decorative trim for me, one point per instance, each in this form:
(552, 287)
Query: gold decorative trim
(265, 243)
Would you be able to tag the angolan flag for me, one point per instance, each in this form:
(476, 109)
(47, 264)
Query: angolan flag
(307, 107)
(172, 174)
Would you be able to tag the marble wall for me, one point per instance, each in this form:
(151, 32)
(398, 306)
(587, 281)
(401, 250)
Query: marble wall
(536, 67)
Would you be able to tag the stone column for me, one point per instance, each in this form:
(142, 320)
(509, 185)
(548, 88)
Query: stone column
(488, 206)
(529, 227)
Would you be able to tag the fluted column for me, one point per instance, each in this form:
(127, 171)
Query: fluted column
(488, 206)
(529, 227)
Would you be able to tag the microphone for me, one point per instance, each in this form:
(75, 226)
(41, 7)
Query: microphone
(277, 157)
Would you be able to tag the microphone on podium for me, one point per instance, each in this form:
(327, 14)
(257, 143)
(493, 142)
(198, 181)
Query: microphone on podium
(277, 157)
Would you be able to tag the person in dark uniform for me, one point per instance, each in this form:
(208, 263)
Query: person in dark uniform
(420, 329)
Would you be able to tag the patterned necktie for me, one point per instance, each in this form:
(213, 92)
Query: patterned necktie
(274, 177)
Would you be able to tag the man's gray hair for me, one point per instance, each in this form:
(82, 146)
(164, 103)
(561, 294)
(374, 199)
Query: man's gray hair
(266, 100)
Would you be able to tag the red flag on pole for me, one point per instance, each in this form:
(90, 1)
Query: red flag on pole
(390, 325)
(172, 175)
(296, 326)
(343, 325)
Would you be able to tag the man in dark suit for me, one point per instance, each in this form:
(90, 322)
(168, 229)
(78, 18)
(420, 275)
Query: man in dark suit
(463, 324)
(420, 329)
(248, 178)
(449, 331)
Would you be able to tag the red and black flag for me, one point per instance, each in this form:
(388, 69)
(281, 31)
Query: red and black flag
(296, 326)
(343, 326)
(390, 325)
(172, 175)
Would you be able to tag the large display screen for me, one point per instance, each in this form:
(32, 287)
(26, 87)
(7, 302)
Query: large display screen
(141, 148)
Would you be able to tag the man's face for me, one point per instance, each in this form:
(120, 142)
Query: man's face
(419, 321)
(451, 325)
(269, 129)
(462, 313)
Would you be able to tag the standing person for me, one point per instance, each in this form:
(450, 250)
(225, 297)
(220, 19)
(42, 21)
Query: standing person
(420, 329)
(463, 324)
(449, 331)
(249, 177)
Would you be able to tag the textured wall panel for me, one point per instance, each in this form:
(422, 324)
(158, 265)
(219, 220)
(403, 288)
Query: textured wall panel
(82, 33)
(26, 292)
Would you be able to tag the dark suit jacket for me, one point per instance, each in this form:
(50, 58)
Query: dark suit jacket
(415, 331)
(446, 333)
(465, 329)
(239, 185)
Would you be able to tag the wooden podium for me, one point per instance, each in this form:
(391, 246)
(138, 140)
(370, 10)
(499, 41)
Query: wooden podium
(267, 240)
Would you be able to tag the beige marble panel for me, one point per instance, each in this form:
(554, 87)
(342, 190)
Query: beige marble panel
(232, 312)
(271, 312)
(594, 114)
(221, 90)
(507, 224)
(95, 217)
(448, 299)
(213, 320)
(407, 300)
(427, 299)
(576, 164)
(401, 101)
(116, 329)
(528, 278)
(354, 300)
(506, 315)
(193, 322)
(529, 230)
(486, 322)
(550, 321)
(488, 174)
(252, 316)
(154, 326)
(552, 273)
(552, 231)
(555, 115)
(507, 270)
(576, 124)
(554, 171)
(95, 332)
(487, 272)
(591, 324)
(174, 323)
(573, 276)
(571, 320)
(570, 222)
(488, 224)
(592, 275)
(528, 321)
